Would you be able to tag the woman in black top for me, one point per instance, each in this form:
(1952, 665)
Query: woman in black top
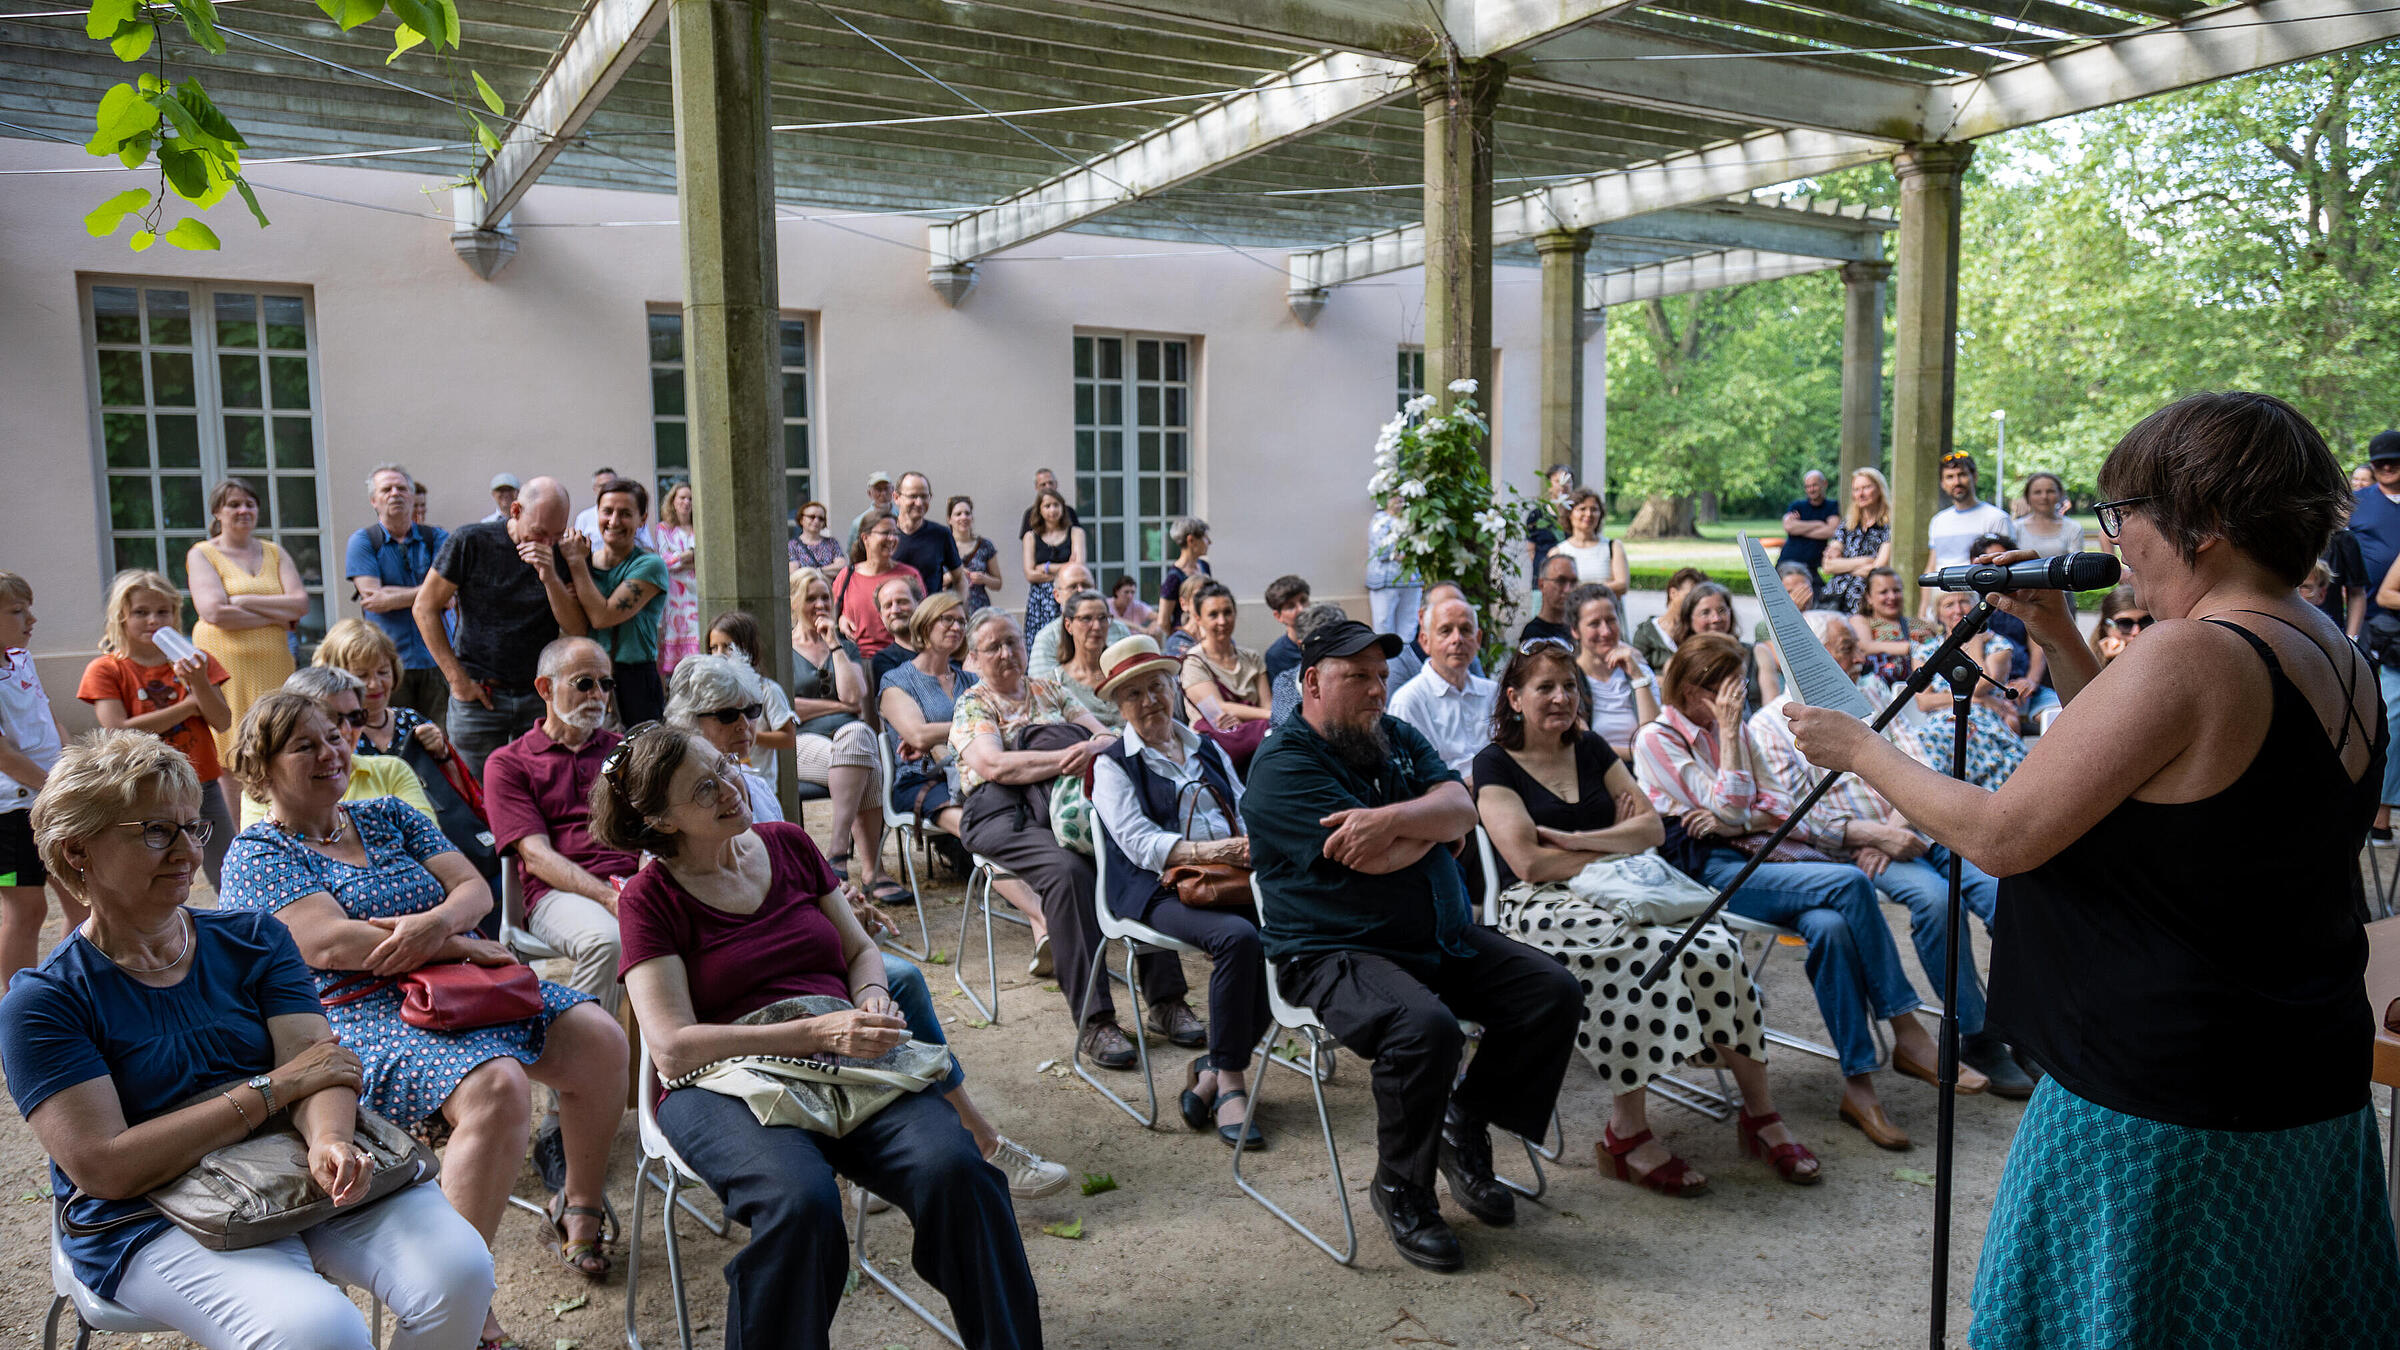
(2183, 919)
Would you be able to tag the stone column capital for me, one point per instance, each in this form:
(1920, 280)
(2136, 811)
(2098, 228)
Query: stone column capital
(1936, 160)
(1865, 273)
(1577, 242)
(1479, 81)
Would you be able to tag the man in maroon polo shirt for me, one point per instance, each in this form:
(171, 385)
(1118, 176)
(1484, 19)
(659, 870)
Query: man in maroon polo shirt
(537, 790)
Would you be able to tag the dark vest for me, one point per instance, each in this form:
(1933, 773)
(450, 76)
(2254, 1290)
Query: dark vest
(1132, 890)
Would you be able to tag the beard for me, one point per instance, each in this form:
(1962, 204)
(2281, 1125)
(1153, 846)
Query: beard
(586, 718)
(1362, 748)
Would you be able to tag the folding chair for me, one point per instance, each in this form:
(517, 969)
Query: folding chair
(984, 874)
(909, 827)
(514, 935)
(94, 1313)
(1135, 936)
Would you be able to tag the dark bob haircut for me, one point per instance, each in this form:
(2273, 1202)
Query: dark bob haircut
(2246, 468)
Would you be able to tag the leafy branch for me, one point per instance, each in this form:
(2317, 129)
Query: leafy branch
(1452, 521)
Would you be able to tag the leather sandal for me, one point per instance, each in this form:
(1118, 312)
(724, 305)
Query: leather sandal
(1197, 1110)
(1788, 1158)
(587, 1257)
(1876, 1126)
(1673, 1178)
(1243, 1135)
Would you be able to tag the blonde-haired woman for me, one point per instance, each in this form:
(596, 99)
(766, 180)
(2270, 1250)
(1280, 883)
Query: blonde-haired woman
(368, 652)
(833, 745)
(249, 595)
(135, 685)
(1861, 543)
(679, 630)
(156, 1033)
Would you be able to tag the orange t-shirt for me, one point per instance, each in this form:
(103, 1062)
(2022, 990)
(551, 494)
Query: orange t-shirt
(145, 689)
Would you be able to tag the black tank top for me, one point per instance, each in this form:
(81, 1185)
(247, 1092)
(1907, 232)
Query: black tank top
(2204, 963)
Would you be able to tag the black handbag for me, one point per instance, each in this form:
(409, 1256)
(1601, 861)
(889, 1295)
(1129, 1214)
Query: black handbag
(458, 821)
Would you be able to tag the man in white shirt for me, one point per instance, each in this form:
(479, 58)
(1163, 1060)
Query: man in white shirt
(1449, 704)
(1966, 519)
(587, 521)
(1041, 660)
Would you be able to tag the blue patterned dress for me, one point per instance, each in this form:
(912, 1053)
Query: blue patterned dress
(1993, 751)
(410, 1071)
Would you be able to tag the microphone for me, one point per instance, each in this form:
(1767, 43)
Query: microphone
(2068, 572)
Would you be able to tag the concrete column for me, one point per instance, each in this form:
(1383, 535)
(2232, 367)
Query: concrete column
(1458, 98)
(1925, 334)
(725, 186)
(1862, 369)
(1562, 253)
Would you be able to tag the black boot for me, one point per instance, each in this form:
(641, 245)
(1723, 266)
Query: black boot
(1986, 1052)
(1465, 1157)
(1414, 1219)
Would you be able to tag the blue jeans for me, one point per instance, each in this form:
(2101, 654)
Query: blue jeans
(1852, 963)
(477, 730)
(1923, 884)
(916, 1008)
(2388, 680)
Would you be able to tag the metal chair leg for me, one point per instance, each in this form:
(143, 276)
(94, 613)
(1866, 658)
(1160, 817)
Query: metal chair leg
(1141, 1039)
(1533, 1159)
(908, 868)
(1341, 1191)
(958, 967)
(885, 1282)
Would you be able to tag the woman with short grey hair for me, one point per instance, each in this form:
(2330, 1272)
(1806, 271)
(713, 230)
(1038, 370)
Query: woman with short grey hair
(342, 697)
(1189, 535)
(718, 699)
(1082, 634)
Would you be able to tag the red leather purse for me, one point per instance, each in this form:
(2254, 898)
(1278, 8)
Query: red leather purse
(454, 995)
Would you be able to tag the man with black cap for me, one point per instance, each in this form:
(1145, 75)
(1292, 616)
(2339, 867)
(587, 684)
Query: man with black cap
(2375, 524)
(1352, 816)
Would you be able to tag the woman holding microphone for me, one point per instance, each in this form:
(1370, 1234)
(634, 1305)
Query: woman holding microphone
(2233, 755)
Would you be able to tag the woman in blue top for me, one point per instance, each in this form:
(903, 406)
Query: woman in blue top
(372, 888)
(155, 1034)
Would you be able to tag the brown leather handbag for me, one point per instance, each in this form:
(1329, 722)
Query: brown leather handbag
(1209, 885)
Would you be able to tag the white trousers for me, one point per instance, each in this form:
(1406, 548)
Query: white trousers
(429, 1266)
(587, 934)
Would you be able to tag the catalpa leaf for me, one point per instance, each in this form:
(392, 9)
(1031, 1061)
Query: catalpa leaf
(403, 38)
(1071, 1230)
(132, 42)
(102, 220)
(107, 19)
(192, 234)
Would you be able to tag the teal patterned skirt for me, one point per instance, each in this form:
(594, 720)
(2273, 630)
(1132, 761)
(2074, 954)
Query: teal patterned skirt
(2115, 1231)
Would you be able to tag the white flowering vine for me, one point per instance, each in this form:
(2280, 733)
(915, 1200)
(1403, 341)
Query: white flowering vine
(1451, 523)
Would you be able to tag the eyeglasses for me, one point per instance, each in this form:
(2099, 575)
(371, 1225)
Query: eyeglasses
(618, 757)
(584, 684)
(2112, 514)
(2132, 623)
(160, 834)
(729, 716)
(354, 719)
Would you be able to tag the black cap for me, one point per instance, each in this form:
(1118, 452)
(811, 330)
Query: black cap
(1347, 638)
(2386, 445)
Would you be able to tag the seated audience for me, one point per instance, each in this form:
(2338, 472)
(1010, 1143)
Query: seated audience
(2123, 617)
(1015, 736)
(338, 694)
(896, 598)
(1448, 704)
(133, 685)
(1286, 596)
(371, 892)
(1042, 645)
(1167, 798)
(1557, 580)
(1854, 823)
(1126, 607)
(833, 747)
(1887, 637)
(1223, 684)
(858, 611)
(1555, 798)
(1700, 770)
(1622, 690)
(732, 917)
(366, 651)
(1404, 667)
(1366, 917)
(1708, 608)
(720, 701)
(737, 636)
(1993, 748)
(1083, 624)
(1655, 640)
(538, 789)
(1287, 685)
(157, 1033)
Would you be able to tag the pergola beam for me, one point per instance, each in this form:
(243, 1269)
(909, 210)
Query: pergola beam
(1404, 28)
(1700, 272)
(1759, 229)
(607, 38)
(1644, 69)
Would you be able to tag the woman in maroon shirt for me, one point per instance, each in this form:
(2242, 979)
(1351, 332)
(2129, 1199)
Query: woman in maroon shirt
(730, 918)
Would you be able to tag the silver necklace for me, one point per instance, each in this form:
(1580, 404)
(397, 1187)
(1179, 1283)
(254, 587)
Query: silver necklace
(172, 962)
(341, 827)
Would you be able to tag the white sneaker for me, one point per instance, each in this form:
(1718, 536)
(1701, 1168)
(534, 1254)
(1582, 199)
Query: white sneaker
(1040, 967)
(1030, 1175)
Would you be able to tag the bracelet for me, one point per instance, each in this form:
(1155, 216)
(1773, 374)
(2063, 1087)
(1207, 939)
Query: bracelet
(1645, 682)
(240, 1110)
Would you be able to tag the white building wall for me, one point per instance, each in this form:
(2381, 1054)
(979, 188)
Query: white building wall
(545, 369)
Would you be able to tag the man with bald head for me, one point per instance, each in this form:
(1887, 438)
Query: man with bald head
(1445, 700)
(513, 596)
(1041, 661)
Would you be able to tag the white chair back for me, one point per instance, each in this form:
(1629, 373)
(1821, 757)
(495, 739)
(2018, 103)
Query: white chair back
(1491, 877)
(514, 935)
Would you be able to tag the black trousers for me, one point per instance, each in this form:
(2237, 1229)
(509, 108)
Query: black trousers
(1528, 1005)
(1067, 884)
(641, 694)
(1237, 986)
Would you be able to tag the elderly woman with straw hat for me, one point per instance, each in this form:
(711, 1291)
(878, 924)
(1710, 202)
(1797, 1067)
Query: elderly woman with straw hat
(1167, 798)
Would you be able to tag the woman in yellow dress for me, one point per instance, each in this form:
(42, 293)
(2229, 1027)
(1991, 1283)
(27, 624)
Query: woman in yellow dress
(249, 595)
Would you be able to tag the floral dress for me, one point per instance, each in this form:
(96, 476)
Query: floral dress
(679, 629)
(410, 1071)
(1844, 592)
(825, 555)
(1993, 751)
(405, 722)
(980, 560)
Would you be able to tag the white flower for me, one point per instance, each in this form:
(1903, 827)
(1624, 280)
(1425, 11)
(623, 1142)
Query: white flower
(1491, 521)
(1400, 527)
(1380, 486)
(1461, 561)
(1413, 488)
(1398, 424)
(1420, 404)
(1462, 386)
(1433, 427)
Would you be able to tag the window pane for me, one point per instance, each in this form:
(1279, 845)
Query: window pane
(795, 496)
(1177, 505)
(178, 553)
(666, 393)
(294, 445)
(795, 342)
(1145, 366)
(139, 552)
(238, 380)
(1112, 451)
(287, 378)
(795, 395)
(1112, 357)
(1083, 358)
(1083, 495)
(171, 379)
(1084, 452)
(184, 501)
(1112, 406)
(125, 440)
(121, 380)
(1146, 407)
(1149, 449)
(312, 624)
(178, 441)
(287, 323)
(1149, 496)
(1173, 414)
(1112, 541)
(170, 318)
(237, 320)
(1087, 404)
(672, 453)
(795, 446)
(266, 515)
(129, 506)
(1154, 549)
(115, 315)
(245, 442)
(666, 337)
(1177, 354)
(1112, 496)
(298, 499)
(308, 554)
(1174, 457)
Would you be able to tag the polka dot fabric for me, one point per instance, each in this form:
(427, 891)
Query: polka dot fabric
(1631, 1035)
(410, 1071)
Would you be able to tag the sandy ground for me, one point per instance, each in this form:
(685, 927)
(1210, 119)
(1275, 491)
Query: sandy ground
(1175, 1256)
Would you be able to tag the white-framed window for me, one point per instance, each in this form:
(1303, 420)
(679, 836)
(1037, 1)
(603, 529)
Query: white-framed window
(667, 422)
(1133, 451)
(193, 383)
(1411, 380)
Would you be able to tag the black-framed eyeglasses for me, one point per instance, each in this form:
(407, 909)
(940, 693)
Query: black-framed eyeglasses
(2132, 623)
(2112, 514)
(617, 756)
(729, 716)
(584, 684)
(160, 834)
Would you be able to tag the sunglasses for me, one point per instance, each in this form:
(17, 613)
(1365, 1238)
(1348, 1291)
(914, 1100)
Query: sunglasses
(2112, 513)
(620, 755)
(1531, 645)
(160, 834)
(354, 720)
(2132, 623)
(584, 684)
(729, 716)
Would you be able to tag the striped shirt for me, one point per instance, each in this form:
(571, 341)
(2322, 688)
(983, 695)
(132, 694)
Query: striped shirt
(1676, 762)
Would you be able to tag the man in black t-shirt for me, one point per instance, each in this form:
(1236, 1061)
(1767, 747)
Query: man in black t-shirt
(1558, 578)
(513, 600)
(1807, 524)
(925, 544)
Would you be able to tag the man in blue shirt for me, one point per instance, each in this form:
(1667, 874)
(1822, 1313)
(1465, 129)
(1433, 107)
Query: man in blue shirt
(387, 561)
(1352, 817)
(2375, 523)
(1807, 524)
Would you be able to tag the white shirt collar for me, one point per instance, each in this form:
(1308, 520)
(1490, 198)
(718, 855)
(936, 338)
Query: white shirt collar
(1185, 736)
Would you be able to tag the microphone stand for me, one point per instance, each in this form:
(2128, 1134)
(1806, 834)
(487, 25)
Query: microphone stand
(1950, 661)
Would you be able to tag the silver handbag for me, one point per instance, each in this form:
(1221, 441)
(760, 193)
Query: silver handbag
(827, 1094)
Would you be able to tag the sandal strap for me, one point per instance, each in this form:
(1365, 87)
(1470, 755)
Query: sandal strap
(1618, 1148)
(1756, 1123)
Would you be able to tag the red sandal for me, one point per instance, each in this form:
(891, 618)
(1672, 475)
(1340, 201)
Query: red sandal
(1670, 1178)
(1788, 1158)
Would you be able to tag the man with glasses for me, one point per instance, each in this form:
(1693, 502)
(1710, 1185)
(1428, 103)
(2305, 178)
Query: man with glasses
(1557, 578)
(927, 545)
(2375, 522)
(537, 790)
(513, 597)
(1042, 662)
(1447, 702)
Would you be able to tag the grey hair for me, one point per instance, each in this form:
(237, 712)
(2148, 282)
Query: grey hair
(985, 618)
(389, 467)
(1318, 616)
(1819, 620)
(1086, 595)
(1795, 569)
(323, 684)
(1184, 528)
(554, 658)
(1815, 473)
(94, 784)
(704, 684)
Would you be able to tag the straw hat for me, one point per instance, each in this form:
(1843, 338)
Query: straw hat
(1129, 659)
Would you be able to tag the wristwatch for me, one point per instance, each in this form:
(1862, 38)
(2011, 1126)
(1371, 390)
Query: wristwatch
(266, 1091)
(1644, 682)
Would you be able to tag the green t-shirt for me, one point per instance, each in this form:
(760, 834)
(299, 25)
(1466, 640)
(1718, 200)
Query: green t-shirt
(636, 639)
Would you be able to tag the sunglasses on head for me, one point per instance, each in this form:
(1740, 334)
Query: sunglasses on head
(584, 684)
(1531, 645)
(729, 716)
(617, 755)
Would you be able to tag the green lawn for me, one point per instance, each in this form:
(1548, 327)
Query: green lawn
(1715, 551)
